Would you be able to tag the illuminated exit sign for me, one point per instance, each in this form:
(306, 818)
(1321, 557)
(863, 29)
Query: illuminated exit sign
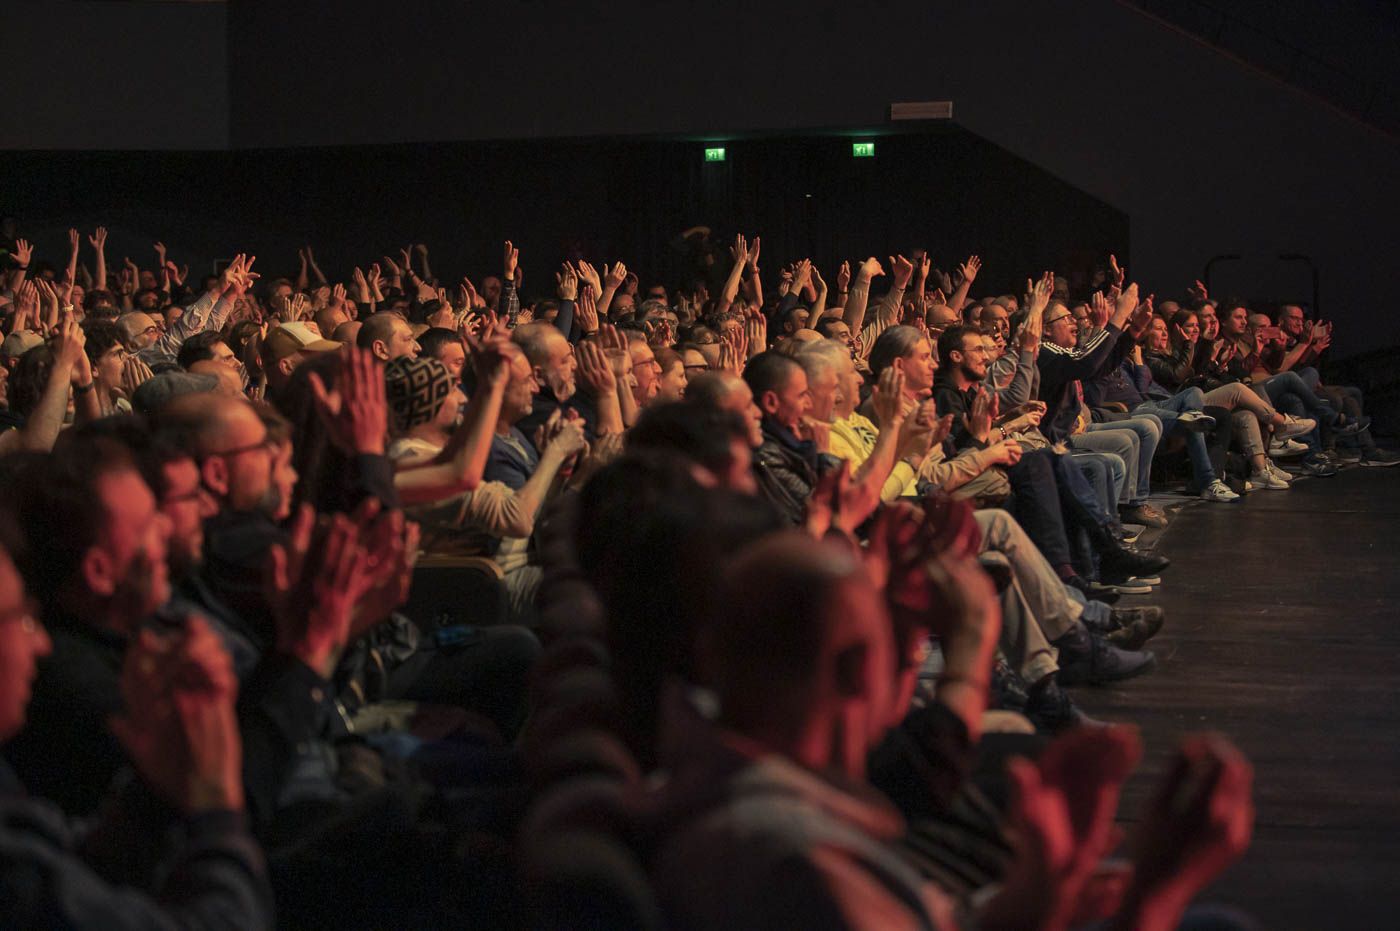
(863, 149)
(715, 154)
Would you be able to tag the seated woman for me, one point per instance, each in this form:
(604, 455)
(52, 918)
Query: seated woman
(1186, 364)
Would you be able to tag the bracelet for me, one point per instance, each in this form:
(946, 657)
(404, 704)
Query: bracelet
(84, 389)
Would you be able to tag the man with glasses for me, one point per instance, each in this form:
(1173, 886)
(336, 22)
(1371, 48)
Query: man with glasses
(211, 870)
(156, 347)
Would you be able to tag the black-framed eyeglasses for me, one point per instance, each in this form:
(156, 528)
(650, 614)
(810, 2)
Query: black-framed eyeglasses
(1059, 318)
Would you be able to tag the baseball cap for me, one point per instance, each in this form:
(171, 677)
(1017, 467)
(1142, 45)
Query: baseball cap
(291, 338)
(17, 344)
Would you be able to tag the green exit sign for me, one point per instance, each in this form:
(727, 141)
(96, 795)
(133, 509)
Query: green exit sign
(863, 149)
(715, 154)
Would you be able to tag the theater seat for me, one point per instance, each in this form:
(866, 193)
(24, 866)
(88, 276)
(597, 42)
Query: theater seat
(452, 591)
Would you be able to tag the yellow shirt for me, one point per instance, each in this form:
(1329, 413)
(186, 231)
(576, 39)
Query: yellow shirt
(853, 439)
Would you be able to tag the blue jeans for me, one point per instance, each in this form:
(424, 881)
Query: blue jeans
(1168, 411)
(1287, 392)
(1148, 430)
(1106, 474)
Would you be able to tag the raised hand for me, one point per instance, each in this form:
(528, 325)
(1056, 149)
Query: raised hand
(1099, 310)
(474, 300)
(69, 343)
(1117, 274)
(176, 274)
(73, 240)
(739, 252)
(312, 583)
(659, 333)
(24, 251)
(969, 269)
(982, 414)
(510, 260)
(756, 329)
(901, 270)
(491, 353)
(615, 276)
(160, 254)
(888, 399)
(843, 277)
(594, 369)
(869, 269)
(361, 286)
(391, 546)
(801, 274)
(733, 350)
(356, 412)
(614, 346)
(586, 311)
(566, 281)
(1127, 302)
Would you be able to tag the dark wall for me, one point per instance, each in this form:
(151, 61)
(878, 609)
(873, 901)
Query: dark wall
(605, 199)
(103, 75)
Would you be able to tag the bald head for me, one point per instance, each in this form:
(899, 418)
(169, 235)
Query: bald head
(347, 332)
(230, 381)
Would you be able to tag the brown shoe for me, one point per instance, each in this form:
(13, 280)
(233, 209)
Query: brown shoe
(1142, 514)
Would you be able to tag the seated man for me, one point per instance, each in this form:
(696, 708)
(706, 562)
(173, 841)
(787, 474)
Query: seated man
(789, 460)
(1040, 617)
(1049, 489)
(1299, 349)
(514, 462)
(1134, 438)
(767, 820)
(206, 870)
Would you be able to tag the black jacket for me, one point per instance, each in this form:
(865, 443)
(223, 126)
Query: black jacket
(205, 871)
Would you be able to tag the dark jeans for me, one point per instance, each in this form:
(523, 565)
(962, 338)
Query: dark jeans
(1035, 502)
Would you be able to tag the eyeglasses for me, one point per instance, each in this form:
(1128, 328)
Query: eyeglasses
(1058, 319)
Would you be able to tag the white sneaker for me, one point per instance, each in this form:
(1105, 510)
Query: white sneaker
(1286, 448)
(1268, 481)
(1294, 426)
(1277, 473)
(1219, 491)
(1196, 420)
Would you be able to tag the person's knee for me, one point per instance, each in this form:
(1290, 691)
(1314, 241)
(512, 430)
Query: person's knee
(1194, 399)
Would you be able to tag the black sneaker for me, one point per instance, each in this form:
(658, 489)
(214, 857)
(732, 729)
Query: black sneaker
(1052, 711)
(1136, 626)
(1093, 590)
(1317, 467)
(1375, 457)
(1119, 565)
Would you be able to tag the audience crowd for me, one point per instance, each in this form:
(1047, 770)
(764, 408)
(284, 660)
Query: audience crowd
(392, 601)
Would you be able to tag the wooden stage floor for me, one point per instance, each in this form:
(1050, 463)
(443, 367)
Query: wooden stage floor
(1283, 632)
